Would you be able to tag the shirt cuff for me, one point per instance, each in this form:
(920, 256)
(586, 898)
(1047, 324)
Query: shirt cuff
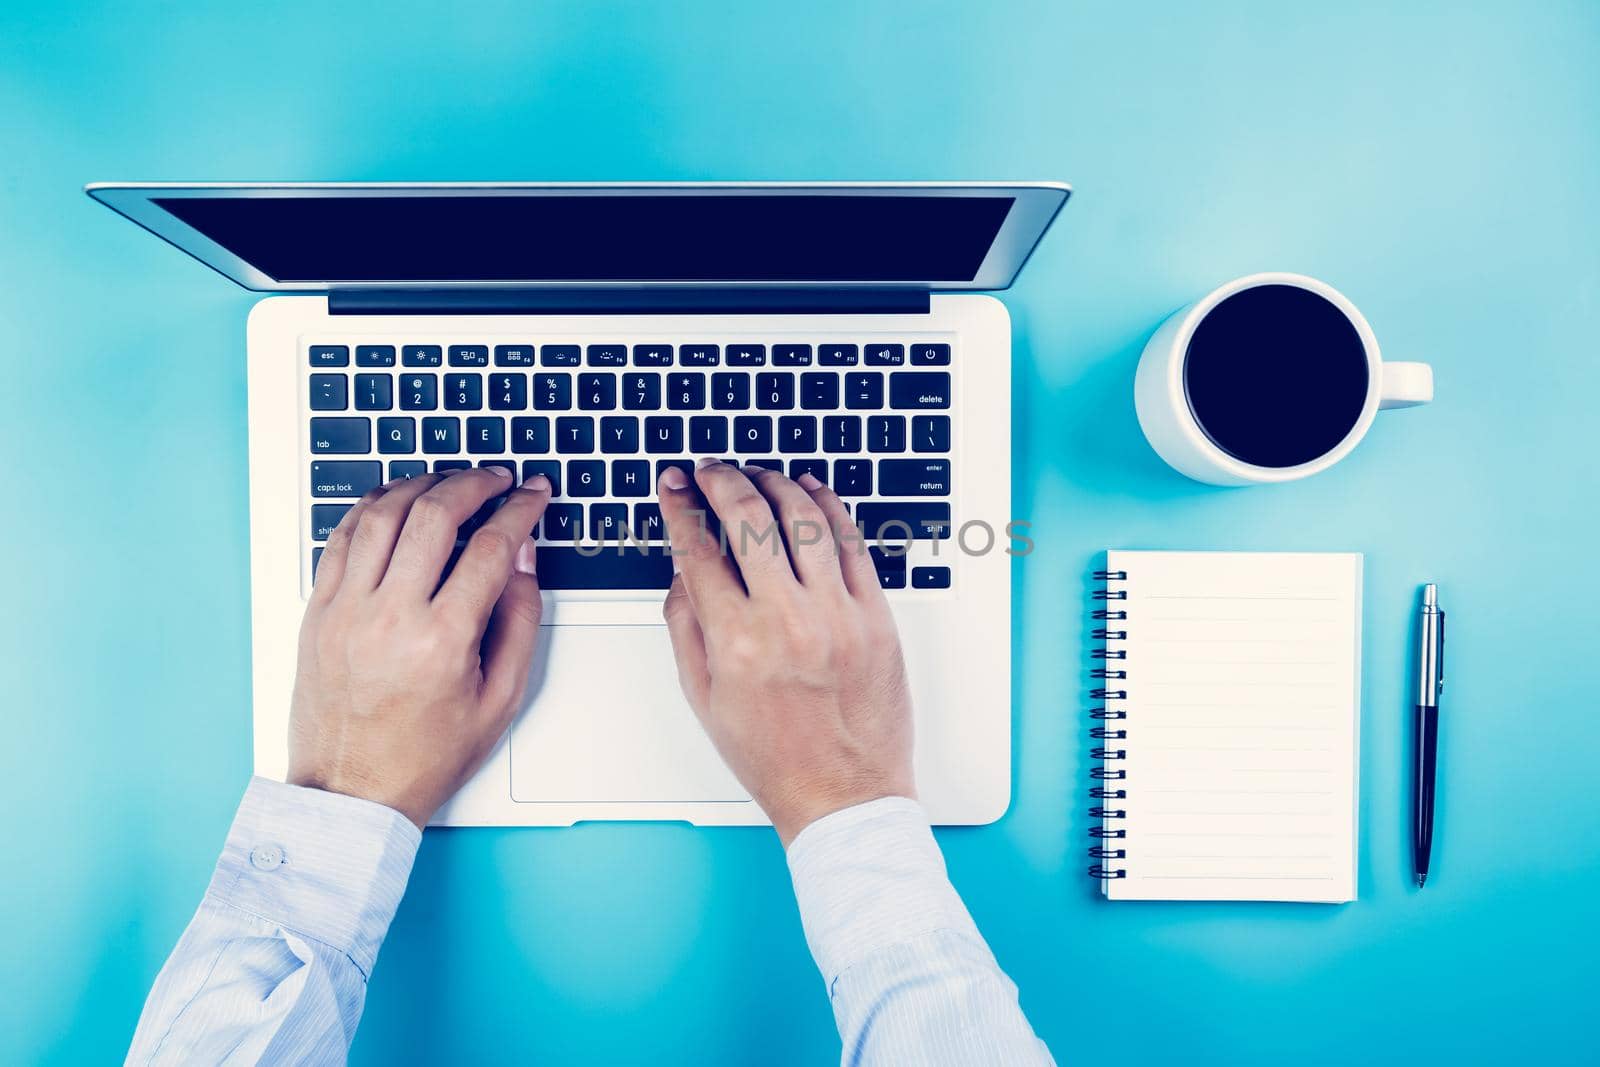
(319, 864)
(869, 877)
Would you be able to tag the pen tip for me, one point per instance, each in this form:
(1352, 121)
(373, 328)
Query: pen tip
(1421, 878)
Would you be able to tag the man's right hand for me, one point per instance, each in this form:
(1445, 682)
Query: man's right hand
(786, 647)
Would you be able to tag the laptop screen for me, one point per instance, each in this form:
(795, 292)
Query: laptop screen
(704, 237)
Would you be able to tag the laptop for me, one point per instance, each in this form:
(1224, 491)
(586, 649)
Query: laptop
(595, 333)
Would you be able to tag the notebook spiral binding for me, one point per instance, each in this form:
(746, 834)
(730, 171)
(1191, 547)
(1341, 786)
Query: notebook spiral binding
(1109, 630)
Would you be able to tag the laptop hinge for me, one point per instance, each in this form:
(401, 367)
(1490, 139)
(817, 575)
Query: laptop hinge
(658, 300)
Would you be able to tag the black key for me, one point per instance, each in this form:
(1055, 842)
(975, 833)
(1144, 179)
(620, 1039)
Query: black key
(341, 435)
(930, 577)
(652, 355)
(613, 567)
(747, 355)
(328, 392)
(914, 477)
(486, 435)
(892, 579)
(574, 434)
(708, 434)
(771, 463)
(441, 434)
(552, 392)
(630, 477)
(920, 389)
(698, 355)
(930, 433)
(663, 434)
(316, 560)
(442, 465)
(890, 563)
(837, 355)
(586, 477)
(730, 392)
(852, 477)
(886, 433)
(469, 355)
(685, 465)
(463, 392)
(507, 465)
(619, 433)
(863, 391)
(562, 522)
(345, 477)
(550, 468)
(606, 521)
(513, 355)
(397, 436)
(841, 433)
(751, 433)
(374, 392)
(531, 433)
(508, 392)
(647, 523)
(791, 355)
(608, 355)
(819, 391)
(817, 468)
(374, 355)
(641, 392)
(324, 517)
(775, 391)
(686, 392)
(597, 392)
(330, 355)
(407, 468)
(886, 355)
(421, 355)
(419, 392)
(797, 433)
(559, 356)
(890, 521)
(929, 355)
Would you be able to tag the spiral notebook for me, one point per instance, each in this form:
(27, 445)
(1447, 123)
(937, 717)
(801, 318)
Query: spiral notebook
(1227, 728)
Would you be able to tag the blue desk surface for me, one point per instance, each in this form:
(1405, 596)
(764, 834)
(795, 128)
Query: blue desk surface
(1437, 163)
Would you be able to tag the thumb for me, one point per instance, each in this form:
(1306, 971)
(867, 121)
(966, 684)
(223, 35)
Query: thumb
(510, 638)
(688, 645)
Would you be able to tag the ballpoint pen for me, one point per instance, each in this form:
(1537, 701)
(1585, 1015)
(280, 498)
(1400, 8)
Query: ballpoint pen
(1430, 682)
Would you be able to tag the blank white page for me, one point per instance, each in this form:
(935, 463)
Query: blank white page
(1242, 719)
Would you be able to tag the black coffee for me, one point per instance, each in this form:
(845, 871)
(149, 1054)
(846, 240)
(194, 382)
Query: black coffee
(1275, 375)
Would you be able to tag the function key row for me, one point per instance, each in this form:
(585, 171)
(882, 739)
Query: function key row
(917, 354)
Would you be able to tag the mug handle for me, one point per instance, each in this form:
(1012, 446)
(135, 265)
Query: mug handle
(1405, 385)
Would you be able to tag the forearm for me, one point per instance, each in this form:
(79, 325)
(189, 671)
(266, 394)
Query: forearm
(910, 977)
(273, 968)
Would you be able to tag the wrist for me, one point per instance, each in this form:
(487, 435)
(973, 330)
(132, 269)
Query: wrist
(794, 813)
(362, 787)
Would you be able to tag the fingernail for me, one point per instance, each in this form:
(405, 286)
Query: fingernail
(538, 483)
(674, 478)
(809, 481)
(705, 461)
(525, 557)
(501, 471)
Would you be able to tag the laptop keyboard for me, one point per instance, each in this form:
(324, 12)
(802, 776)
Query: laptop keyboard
(872, 420)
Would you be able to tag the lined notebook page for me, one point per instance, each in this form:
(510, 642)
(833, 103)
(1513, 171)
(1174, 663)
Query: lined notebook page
(1242, 702)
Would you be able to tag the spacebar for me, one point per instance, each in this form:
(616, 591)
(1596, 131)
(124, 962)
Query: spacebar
(611, 567)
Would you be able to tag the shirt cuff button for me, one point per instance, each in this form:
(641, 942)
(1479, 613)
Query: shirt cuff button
(266, 857)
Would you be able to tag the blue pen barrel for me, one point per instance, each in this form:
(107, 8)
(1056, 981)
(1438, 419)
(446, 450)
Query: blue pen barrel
(1426, 748)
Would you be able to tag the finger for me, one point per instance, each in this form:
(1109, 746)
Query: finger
(812, 550)
(749, 529)
(688, 645)
(373, 540)
(336, 551)
(470, 593)
(708, 574)
(509, 642)
(855, 562)
(429, 532)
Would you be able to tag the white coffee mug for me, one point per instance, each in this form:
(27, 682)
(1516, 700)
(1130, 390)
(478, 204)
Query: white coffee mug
(1169, 422)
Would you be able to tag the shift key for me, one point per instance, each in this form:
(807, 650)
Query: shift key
(914, 477)
(880, 520)
(341, 436)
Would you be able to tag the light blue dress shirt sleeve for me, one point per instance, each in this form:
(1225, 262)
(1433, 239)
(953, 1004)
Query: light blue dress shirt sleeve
(910, 977)
(273, 968)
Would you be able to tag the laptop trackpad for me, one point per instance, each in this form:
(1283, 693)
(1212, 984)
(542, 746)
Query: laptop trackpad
(607, 722)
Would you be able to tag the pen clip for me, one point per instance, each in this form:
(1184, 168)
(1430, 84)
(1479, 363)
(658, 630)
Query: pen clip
(1440, 687)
